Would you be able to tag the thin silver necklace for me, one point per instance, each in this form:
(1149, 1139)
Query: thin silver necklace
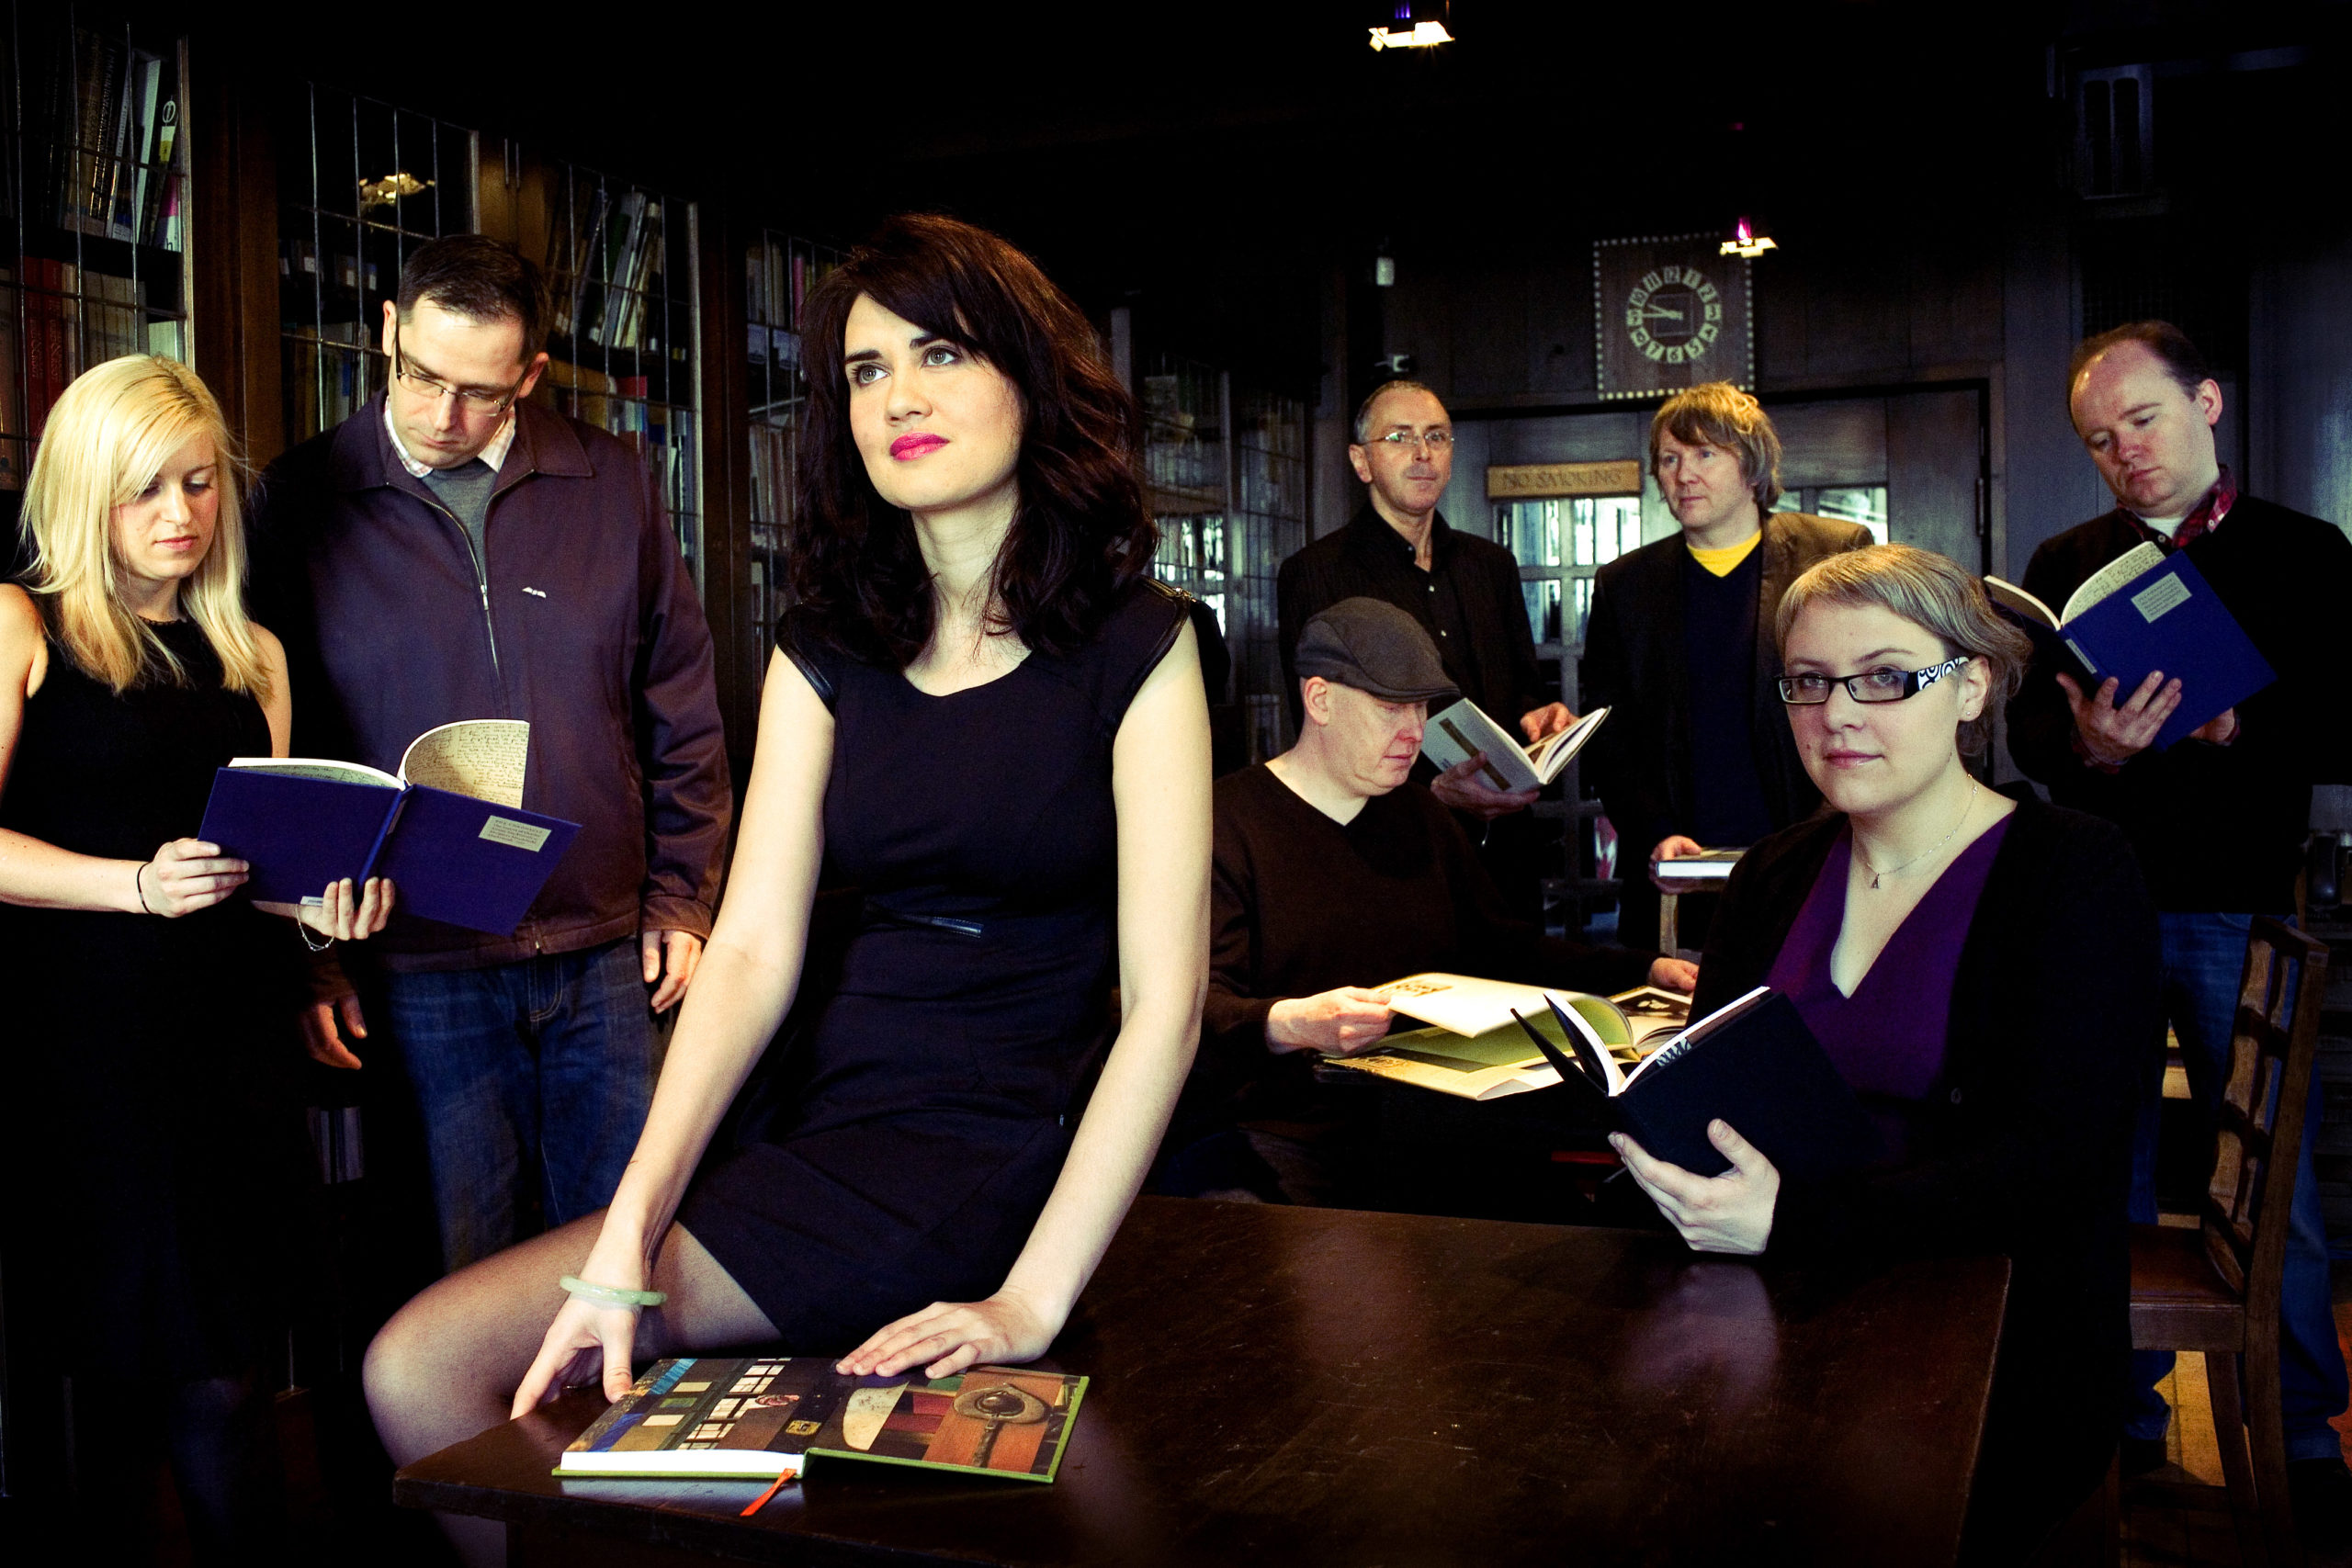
(1966, 812)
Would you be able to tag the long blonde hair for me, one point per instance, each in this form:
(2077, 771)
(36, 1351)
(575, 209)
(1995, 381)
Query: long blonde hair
(108, 437)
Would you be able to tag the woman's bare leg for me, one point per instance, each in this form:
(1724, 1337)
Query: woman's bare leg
(447, 1364)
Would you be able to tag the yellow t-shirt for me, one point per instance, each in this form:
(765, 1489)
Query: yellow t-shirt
(1726, 561)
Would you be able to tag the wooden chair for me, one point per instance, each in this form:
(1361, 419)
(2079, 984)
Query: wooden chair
(2214, 1290)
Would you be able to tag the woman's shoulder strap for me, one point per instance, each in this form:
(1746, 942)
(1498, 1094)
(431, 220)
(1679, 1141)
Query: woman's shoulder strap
(1145, 619)
(813, 652)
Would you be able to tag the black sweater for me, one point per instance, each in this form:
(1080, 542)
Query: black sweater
(1300, 904)
(2026, 1149)
(2215, 827)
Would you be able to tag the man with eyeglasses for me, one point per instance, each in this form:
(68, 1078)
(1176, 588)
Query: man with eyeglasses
(2219, 819)
(1679, 644)
(1463, 590)
(455, 551)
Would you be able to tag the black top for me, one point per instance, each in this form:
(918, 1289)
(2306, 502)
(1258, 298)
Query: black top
(1300, 904)
(1643, 763)
(922, 1097)
(1727, 803)
(2023, 1145)
(2216, 826)
(1468, 602)
(153, 1158)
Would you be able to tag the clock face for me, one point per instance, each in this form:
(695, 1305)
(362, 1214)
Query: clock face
(1674, 315)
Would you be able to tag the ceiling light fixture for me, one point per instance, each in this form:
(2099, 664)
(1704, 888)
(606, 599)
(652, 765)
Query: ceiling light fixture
(1424, 31)
(1747, 241)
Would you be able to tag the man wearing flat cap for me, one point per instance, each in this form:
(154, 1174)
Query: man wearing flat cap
(1331, 872)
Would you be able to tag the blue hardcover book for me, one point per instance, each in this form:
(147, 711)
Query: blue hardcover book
(460, 848)
(2147, 610)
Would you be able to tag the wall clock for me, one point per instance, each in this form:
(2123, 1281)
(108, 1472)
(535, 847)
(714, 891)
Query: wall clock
(1668, 313)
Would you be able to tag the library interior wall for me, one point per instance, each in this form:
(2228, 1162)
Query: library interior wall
(1493, 336)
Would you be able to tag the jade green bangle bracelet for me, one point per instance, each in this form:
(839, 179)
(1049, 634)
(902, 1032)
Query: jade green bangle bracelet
(611, 1295)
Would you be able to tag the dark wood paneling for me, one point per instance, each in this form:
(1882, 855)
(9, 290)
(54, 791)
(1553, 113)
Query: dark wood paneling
(1932, 470)
(234, 248)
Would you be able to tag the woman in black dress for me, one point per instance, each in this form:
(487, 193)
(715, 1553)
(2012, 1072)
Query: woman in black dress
(152, 1014)
(983, 718)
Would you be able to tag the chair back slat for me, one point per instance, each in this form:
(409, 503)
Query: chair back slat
(2259, 1124)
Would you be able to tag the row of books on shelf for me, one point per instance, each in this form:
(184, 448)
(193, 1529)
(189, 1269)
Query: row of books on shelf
(61, 320)
(772, 459)
(608, 270)
(777, 277)
(114, 166)
(777, 347)
(297, 257)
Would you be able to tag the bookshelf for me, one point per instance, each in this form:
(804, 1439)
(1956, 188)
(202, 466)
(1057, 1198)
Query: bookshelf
(1225, 471)
(778, 271)
(624, 266)
(362, 184)
(95, 193)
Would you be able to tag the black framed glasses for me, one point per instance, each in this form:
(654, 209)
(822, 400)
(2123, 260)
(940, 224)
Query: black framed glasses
(1870, 686)
(1427, 441)
(471, 401)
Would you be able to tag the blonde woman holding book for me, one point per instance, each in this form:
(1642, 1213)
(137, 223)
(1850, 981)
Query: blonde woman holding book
(152, 1017)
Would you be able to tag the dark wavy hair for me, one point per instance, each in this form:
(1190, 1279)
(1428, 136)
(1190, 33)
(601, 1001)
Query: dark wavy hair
(1081, 530)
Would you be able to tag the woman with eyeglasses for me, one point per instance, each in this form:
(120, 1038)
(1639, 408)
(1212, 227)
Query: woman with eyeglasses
(154, 1149)
(1983, 971)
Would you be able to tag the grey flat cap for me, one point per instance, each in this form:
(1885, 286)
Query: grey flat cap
(1376, 647)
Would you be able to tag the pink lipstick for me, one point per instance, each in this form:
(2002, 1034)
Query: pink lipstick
(906, 448)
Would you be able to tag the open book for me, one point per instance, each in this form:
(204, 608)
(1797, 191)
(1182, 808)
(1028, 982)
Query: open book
(1752, 1061)
(755, 1418)
(1501, 1062)
(2143, 611)
(449, 829)
(1458, 733)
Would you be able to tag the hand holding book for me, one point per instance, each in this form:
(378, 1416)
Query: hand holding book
(1731, 1213)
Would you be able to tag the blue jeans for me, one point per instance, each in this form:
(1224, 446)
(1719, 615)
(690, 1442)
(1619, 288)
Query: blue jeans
(2204, 960)
(539, 1070)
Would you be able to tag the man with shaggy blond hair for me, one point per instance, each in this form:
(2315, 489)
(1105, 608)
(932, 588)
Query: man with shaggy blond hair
(1679, 646)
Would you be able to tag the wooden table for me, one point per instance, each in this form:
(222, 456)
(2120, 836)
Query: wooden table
(1301, 1386)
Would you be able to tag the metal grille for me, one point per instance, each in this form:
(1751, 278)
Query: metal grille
(624, 266)
(370, 184)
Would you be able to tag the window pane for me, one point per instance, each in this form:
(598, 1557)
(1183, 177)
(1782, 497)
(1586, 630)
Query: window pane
(1865, 504)
(1543, 609)
(1530, 530)
(1581, 610)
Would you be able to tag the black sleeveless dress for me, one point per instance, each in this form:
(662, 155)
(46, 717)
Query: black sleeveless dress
(928, 1083)
(149, 1161)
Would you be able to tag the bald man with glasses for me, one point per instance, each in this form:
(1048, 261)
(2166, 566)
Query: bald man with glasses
(1463, 590)
(455, 551)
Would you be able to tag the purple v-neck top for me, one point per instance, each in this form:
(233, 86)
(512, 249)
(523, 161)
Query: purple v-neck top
(1887, 1039)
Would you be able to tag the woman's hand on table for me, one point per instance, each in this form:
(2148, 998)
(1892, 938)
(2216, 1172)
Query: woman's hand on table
(186, 876)
(341, 914)
(1338, 1022)
(946, 1338)
(1675, 974)
(1731, 1213)
(589, 1341)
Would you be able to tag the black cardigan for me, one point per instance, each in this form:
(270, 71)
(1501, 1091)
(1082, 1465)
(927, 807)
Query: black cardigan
(2216, 826)
(2054, 1011)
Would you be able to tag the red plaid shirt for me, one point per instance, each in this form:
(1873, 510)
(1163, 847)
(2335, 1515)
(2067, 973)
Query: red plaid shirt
(2202, 519)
